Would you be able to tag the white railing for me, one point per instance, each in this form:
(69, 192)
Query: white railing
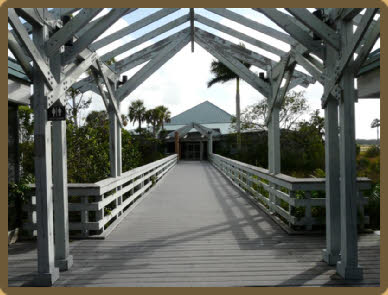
(95, 209)
(294, 201)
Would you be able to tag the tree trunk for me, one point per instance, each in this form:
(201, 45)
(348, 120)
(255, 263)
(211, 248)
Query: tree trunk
(238, 113)
(139, 124)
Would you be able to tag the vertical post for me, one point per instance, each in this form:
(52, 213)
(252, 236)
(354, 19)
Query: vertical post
(274, 142)
(85, 217)
(60, 194)
(47, 272)
(200, 150)
(113, 148)
(210, 145)
(273, 150)
(348, 267)
(333, 231)
(177, 151)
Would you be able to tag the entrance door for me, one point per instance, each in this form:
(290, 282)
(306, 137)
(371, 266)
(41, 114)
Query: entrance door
(192, 151)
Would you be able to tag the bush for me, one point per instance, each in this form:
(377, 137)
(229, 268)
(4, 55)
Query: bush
(372, 152)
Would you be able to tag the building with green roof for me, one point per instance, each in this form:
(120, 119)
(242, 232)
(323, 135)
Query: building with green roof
(194, 125)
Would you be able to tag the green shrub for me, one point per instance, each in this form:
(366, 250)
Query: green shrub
(373, 151)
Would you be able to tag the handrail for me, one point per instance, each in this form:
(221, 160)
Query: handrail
(102, 205)
(290, 199)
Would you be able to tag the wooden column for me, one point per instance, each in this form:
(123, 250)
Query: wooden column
(274, 142)
(177, 151)
(210, 145)
(47, 272)
(332, 166)
(113, 148)
(60, 195)
(348, 267)
(333, 229)
(273, 150)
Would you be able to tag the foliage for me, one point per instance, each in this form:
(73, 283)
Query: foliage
(136, 112)
(26, 145)
(372, 152)
(18, 194)
(293, 107)
(75, 103)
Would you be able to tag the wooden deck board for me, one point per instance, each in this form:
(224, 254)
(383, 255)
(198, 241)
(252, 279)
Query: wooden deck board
(196, 229)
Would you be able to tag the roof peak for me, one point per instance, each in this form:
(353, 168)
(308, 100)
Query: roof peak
(204, 112)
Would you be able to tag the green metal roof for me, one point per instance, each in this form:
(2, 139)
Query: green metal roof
(202, 113)
(16, 71)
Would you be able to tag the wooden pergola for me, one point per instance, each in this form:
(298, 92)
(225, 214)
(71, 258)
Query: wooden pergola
(55, 49)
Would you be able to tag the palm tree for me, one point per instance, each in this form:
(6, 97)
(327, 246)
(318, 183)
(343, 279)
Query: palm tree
(153, 117)
(376, 124)
(223, 74)
(165, 115)
(136, 112)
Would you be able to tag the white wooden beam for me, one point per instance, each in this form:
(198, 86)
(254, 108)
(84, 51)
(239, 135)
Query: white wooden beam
(39, 59)
(70, 78)
(133, 27)
(141, 56)
(146, 37)
(94, 32)
(167, 53)
(112, 98)
(242, 20)
(238, 35)
(206, 40)
(294, 30)
(19, 55)
(68, 30)
(316, 25)
(347, 53)
(370, 40)
(348, 14)
(47, 272)
(192, 28)
(37, 16)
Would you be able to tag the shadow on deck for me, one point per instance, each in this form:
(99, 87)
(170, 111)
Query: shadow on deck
(196, 229)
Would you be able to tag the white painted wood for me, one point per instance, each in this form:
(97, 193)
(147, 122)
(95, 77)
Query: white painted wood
(167, 53)
(112, 98)
(240, 19)
(274, 142)
(347, 52)
(68, 30)
(238, 35)
(294, 30)
(332, 168)
(17, 51)
(146, 37)
(60, 194)
(35, 54)
(47, 272)
(94, 32)
(316, 25)
(113, 155)
(202, 38)
(18, 93)
(348, 267)
(133, 27)
(37, 16)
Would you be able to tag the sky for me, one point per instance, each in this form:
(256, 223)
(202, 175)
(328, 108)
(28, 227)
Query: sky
(181, 83)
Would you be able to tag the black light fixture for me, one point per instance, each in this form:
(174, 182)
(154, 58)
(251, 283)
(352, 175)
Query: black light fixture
(124, 79)
(65, 19)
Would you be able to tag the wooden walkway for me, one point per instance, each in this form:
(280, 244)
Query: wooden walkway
(196, 229)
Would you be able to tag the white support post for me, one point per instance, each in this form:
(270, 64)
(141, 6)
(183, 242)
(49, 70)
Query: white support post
(333, 231)
(113, 132)
(61, 223)
(60, 194)
(210, 145)
(348, 267)
(47, 272)
(273, 150)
